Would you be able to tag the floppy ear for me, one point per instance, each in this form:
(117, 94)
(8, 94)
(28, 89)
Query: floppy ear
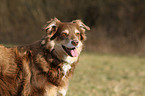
(81, 24)
(51, 27)
(82, 27)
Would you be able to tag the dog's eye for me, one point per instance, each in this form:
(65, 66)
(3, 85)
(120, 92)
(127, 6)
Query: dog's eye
(64, 34)
(77, 33)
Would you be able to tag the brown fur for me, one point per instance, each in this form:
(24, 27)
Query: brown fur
(36, 70)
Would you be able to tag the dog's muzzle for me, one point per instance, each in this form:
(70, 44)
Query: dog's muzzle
(70, 51)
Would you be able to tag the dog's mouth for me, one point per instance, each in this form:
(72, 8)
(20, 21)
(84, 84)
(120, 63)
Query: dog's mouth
(70, 51)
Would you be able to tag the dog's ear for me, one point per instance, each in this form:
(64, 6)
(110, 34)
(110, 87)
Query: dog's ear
(51, 27)
(81, 24)
(83, 27)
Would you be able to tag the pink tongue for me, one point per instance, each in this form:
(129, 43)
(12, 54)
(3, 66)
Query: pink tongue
(74, 53)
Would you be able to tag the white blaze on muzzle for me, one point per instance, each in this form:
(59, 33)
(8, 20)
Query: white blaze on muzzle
(72, 49)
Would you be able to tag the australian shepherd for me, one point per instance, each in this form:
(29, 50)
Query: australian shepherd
(44, 67)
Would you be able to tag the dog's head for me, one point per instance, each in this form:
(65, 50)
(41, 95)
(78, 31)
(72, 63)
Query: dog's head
(65, 38)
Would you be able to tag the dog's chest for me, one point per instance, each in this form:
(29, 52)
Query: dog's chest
(67, 65)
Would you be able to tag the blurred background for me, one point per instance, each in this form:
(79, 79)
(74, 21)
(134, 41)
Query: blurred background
(117, 26)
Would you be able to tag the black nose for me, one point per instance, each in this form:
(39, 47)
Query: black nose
(74, 42)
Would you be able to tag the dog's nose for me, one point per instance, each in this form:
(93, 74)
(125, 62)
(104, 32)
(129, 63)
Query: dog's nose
(75, 42)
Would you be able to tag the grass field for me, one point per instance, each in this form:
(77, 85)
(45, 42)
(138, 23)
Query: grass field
(108, 75)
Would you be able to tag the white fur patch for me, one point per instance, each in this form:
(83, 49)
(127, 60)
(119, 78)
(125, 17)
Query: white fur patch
(77, 31)
(50, 26)
(70, 60)
(43, 42)
(62, 92)
(50, 45)
(50, 91)
(65, 31)
(66, 67)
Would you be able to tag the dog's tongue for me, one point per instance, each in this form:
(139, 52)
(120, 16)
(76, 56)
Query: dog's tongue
(74, 52)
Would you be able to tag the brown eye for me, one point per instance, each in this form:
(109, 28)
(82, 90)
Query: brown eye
(64, 34)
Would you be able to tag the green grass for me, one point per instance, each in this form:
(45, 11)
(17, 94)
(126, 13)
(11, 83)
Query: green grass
(108, 75)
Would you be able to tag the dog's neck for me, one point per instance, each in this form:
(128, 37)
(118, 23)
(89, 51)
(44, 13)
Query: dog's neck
(68, 63)
(66, 60)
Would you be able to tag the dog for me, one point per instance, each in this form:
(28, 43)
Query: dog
(45, 67)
